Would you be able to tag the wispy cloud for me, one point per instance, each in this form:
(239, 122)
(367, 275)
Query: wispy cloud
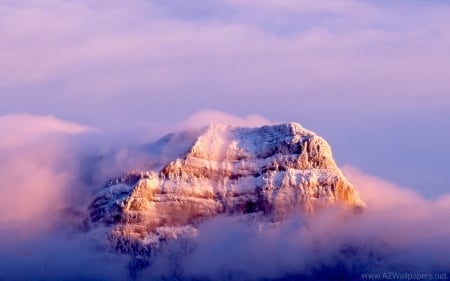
(130, 57)
(207, 116)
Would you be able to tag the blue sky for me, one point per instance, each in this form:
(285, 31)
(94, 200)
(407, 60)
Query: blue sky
(371, 77)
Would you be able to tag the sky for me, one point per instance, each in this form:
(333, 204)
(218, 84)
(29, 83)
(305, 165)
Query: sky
(369, 76)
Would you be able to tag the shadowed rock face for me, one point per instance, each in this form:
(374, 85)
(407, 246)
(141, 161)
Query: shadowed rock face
(271, 171)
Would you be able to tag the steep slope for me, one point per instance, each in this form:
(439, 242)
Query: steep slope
(271, 171)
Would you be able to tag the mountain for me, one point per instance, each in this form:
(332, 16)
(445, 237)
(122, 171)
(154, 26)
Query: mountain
(267, 173)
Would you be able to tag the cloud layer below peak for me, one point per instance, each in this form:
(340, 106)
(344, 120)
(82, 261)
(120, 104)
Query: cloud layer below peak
(40, 220)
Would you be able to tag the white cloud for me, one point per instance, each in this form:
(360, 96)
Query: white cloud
(207, 116)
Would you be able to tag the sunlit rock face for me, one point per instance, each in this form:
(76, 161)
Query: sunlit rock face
(271, 171)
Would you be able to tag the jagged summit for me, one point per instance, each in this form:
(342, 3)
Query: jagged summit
(271, 171)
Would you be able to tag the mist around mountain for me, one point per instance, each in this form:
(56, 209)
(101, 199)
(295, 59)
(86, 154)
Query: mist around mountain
(51, 175)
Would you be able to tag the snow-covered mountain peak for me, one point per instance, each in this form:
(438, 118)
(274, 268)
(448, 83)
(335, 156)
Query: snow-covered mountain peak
(272, 171)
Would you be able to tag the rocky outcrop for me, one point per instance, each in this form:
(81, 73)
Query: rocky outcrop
(272, 171)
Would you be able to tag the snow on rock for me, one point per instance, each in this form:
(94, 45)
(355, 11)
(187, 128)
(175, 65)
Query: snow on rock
(271, 170)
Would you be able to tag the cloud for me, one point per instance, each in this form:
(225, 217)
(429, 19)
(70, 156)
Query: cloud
(146, 58)
(35, 166)
(207, 116)
(381, 194)
(18, 129)
(58, 255)
(45, 173)
(414, 228)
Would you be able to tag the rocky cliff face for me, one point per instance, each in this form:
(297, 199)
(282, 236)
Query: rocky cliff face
(270, 171)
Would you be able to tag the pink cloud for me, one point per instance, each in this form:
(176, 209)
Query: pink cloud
(403, 218)
(154, 57)
(35, 165)
(207, 116)
(18, 129)
(381, 194)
